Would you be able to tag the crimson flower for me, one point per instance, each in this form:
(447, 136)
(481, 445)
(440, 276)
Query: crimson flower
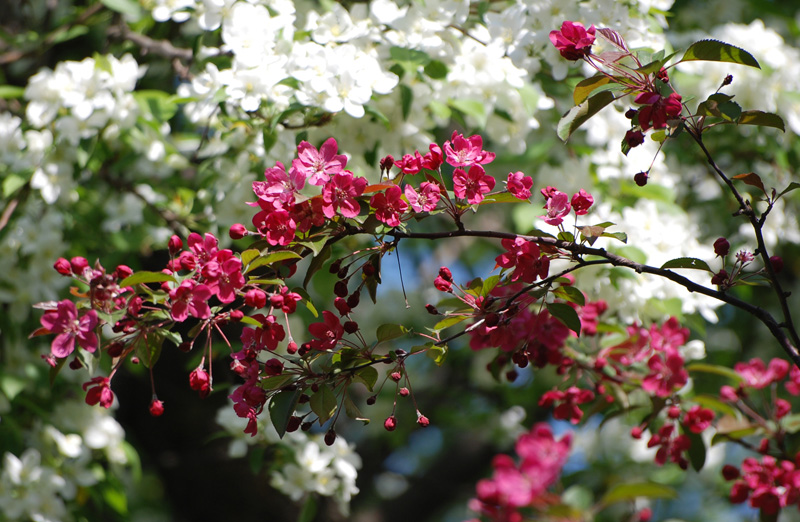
(557, 207)
(280, 187)
(99, 392)
(472, 185)
(388, 206)
(581, 202)
(327, 333)
(200, 381)
(65, 322)
(666, 373)
(657, 109)
(519, 185)
(573, 41)
(339, 194)
(319, 165)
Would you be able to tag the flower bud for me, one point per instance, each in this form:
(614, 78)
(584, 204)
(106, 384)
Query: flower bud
(634, 138)
(431, 309)
(353, 300)
(422, 420)
(390, 423)
(396, 376)
(730, 472)
(78, 265)
(720, 278)
(340, 288)
(636, 432)
(236, 315)
(237, 231)
(292, 347)
(156, 407)
(330, 437)
(255, 298)
(293, 424)
(777, 263)
(63, 267)
(404, 392)
(722, 247)
(350, 327)
(75, 364)
(175, 244)
(631, 113)
(641, 179)
(728, 80)
(371, 400)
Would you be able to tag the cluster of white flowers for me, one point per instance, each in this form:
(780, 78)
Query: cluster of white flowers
(38, 484)
(311, 466)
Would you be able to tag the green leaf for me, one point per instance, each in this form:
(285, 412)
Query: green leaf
(437, 353)
(449, 321)
(129, 8)
(410, 56)
(316, 264)
(686, 262)
(159, 104)
(323, 403)
(144, 276)
(566, 314)
(571, 294)
(316, 246)
(588, 85)
(723, 371)
(697, 450)
(149, 349)
(791, 423)
(436, 70)
(764, 119)
(387, 332)
(581, 113)
(12, 183)
(271, 258)
(309, 509)
(249, 255)
(720, 106)
(632, 491)
(470, 107)
(406, 98)
(367, 375)
(716, 51)
(353, 412)
(619, 236)
(10, 91)
(13, 385)
(713, 403)
(281, 408)
(792, 186)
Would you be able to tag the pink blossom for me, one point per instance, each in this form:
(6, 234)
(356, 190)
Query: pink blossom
(389, 206)
(581, 202)
(519, 185)
(426, 199)
(557, 207)
(666, 373)
(698, 419)
(464, 152)
(340, 193)
(524, 257)
(200, 381)
(566, 403)
(573, 41)
(793, 384)
(280, 187)
(190, 298)
(203, 247)
(277, 226)
(70, 328)
(671, 447)
(657, 109)
(473, 185)
(327, 333)
(757, 375)
(744, 257)
(433, 159)
(319, 165)
(409, 164)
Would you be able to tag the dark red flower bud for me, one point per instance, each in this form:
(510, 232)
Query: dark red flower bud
(631, 113)
(255, 298)
(293, 424)
(720, 278)
(340, 288)
(156, 407)
(236, 315)
(777, 263)
(353, 300)
(511, 375)
(75, 364)
(368, 269)
(634, 138)
(662, 75)
(390, 423)
(371, 400)
(431, 309)
(641, 179)
(728, 80)
(722, 247)
(386, 163)
(115, 349)
(730, 472)
(335, 266)
(330, 437)
(350, 327)
(292, 347)
(175, 244)
(237, 231)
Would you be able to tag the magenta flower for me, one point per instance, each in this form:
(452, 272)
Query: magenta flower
(389, 206)
(581, 202)
(472, 185)
(409, 164)
(99, 392)
(666, 373)
(758, 375)
(203, 247)
(190, 298)
(229, 276)
(278, 226)
(557, 207)
(65, 322)
(426, 199)
(327, 333)
(319, 165)
(463, 152)
(280, 187)
(339, 194)
(573, 41)
(657, 109)
(519, 185)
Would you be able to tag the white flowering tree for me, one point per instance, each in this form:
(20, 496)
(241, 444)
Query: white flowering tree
(592, 335)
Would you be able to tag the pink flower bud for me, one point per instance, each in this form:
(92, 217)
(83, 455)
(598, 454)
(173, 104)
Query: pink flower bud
(255, 298)
(581, 202)
(236, 315)
(63, 267)
(78, 265)
(404, 392)
(422, 420)
(722, 247)
(175, 244)
(156, 407)
(390, 424)
(122, 272)
(237, 231)
(396, 376)
(636, 432)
